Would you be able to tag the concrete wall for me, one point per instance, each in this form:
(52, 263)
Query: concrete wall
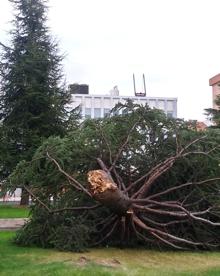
(98, 106)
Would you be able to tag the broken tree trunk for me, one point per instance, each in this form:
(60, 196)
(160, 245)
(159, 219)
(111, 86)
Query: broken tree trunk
(104, 190)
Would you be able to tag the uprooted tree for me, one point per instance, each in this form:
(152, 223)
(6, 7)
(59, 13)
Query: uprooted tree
(133, 179)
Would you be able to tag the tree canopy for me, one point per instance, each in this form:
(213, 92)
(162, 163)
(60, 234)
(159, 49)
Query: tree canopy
(33, 95)
(134, 179)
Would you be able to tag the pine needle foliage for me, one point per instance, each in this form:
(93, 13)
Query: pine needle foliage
(182, 203)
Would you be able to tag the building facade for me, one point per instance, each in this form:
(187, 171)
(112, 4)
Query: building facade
(99, 106)
(215, 83)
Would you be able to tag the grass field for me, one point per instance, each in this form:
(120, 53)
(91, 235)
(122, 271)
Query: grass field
(13, 211)
(109, 261)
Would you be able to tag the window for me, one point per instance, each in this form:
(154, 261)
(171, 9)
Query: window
(88, 101)
(161, 104)
(87, 113)
(170, 114)
(77, 101)
(97, 113)
(106, 112)
(170, 105)
(106, 102)
(116, 101)
(152, 103)
(97, 101)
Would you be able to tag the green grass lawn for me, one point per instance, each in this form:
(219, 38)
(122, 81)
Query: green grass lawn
(109, 261)
(13, 211)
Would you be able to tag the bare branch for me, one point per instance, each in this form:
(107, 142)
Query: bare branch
(164, 234)
(38, 200)
(103, 166)
(106, 142)
(192, 142)
(164, 224)
(167, 242)
(159, 211)
(123, 146)
(106, 223)
(78, 208)
(107, 235)
(188, 213)
(103, 221)
(119, 180)
(160, 169)
(182, 186)
(6, 47)
(206, 153)
(138, 234)
(157, 167)
(77, 185)
(154, 175)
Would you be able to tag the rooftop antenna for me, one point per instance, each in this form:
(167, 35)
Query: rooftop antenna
(144, 85)
(141, 93)
(134, 84)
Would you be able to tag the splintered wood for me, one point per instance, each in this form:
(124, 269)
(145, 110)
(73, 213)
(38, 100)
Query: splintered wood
(100, 182)
(104, 190)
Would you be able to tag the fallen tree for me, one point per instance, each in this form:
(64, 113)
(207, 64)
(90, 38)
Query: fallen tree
(135, 179)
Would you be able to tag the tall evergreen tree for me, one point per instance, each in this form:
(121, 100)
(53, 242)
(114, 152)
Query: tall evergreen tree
(32, 96)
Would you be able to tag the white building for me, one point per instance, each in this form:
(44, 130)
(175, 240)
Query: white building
(99, 106)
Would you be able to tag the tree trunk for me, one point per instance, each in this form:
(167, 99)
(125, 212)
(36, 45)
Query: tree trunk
(24, 197)
(104, 190)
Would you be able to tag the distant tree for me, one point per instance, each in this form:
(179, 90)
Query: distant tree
(214, 114)
(33, 96)
(134, 179)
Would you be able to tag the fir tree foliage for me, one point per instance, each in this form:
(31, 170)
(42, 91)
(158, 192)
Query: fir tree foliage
(33, 95)
(137, 144)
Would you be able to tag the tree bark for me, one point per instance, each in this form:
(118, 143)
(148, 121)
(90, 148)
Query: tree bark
(104, 190)
(24, 197)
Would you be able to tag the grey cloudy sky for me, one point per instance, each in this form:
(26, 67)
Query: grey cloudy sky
(175, 43)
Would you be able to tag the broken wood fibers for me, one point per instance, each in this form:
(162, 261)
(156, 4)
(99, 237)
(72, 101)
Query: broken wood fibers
(104, 190)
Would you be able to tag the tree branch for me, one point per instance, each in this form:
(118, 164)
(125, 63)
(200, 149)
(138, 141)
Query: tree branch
(107, 235)
(106, 142)
(164, 234)
(6, 47)
(164, 224)
(78, 208)
(122, 146)
(160, 169)
(182, 186)
(38, 200)
(77, 185)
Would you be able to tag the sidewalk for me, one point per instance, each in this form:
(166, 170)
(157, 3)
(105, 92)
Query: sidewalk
(12, 224)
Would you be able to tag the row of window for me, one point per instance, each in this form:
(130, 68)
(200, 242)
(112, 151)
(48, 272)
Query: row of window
(106, 102)
(97, 113)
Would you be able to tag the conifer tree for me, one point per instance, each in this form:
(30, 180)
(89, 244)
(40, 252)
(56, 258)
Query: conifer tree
(32, 96)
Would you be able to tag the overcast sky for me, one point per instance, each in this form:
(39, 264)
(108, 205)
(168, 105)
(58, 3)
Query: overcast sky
(175, 43)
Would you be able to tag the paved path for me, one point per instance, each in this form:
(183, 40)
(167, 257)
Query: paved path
(11, 224)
